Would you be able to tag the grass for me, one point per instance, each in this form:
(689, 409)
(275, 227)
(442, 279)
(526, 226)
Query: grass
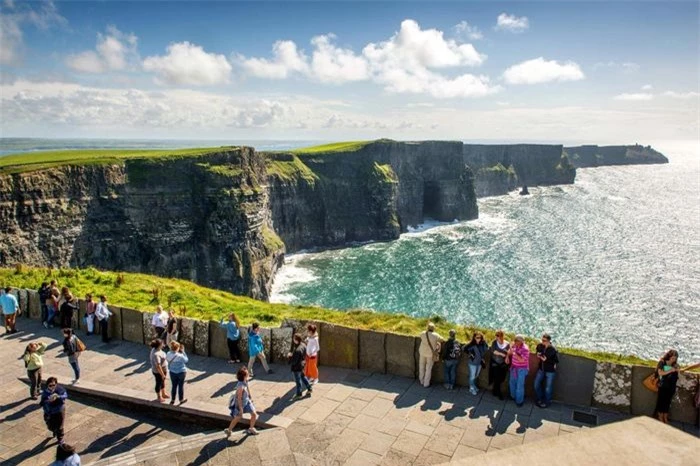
(499, 168)
(143, 292)
(272, 241)
(30, 161)
(385, 173)
(348, 146)
(290, 170)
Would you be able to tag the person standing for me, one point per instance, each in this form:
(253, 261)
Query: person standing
(177, 365)
(44, 293)
(297, 359)
(498, 367)
(103, 314)
(159, 368)
(312, 348)
(159, 322)
(73, 348)
(233, 334)
(476, 349)
(519, 358)
(34, 362)
(256, 349)
(171, 329)
(242, 402)
(90, 307)
(548, 361)
(451, 353)
(429, 352)
(10, 309)
(68, 308)
(53, 400)
(51, 304)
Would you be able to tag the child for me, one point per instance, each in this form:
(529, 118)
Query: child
(242, 402)
(256, 350)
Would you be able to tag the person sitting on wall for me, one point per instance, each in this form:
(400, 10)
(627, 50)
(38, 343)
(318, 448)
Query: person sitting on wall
(429, 352)
(548, 361)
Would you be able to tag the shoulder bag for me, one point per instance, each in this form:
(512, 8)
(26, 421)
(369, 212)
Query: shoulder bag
(652, 382)
(436, 353)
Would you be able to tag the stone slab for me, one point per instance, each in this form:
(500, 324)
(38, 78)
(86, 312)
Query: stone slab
(574, 381)
(34, 305)
(201, 337)
(218, 348)
(400, 358)
(146, 318)
(612, 387)
(281, 344)
(266, 335)
(372, 356)
(339, 347)
(82, 309)
(132, 326)
(186, 335)
(683, 402)
(643, 400)
(22, 299)
(115, 323)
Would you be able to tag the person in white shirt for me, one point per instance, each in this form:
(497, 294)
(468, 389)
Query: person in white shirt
(103, 314)
(429, 350)
(312, 349)
(159, 322)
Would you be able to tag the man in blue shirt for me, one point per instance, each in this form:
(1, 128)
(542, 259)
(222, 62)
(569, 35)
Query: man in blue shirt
(10, 306)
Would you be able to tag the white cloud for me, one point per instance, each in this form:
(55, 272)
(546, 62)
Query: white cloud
(539, 70)
(13, 17)
(114, 52)
(681, 95)
(511, 23)
(331, 64)
(647, 87)
(286, 60)
(465, 31)
(187, 63)
(639, 96)
(625, 67)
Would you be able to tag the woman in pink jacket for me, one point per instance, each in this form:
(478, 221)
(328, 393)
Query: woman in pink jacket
(519, 358)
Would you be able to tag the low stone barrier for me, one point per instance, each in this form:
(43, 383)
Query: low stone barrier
(218, 347)
(132, 326)
(281, 344)
(34, 305)
(643, 400)
(115, 323)
(146, 318)
(201, 338)
(339, 346)
(612, 387)
(186, 334)
(574, 380)
(683, 403)
(400, 357)
(372, 353)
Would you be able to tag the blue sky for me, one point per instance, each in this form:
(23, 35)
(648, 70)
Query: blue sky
(547, 71)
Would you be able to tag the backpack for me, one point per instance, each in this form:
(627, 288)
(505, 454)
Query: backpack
(456, 351)
(79, 345)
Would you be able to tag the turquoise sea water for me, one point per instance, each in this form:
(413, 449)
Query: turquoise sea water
(611, 263)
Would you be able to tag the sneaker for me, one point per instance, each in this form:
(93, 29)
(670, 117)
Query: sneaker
(296, 397)
(172, 402)
(270, 371)
(313, 381)
(45, 324)
(227, 432)
(252, 431)
(309, 392)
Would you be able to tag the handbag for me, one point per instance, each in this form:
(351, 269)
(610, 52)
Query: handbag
(651, 382)
(436, 353)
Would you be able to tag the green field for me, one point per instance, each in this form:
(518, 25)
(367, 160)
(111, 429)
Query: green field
(29, 161)
(144, 292)
(348, 146)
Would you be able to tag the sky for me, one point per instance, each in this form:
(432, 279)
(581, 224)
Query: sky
(569, 72)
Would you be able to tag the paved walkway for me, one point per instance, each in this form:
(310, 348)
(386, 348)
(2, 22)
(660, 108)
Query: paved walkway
(352, 418)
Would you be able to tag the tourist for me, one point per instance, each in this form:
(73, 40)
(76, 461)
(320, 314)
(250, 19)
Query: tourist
(429, 352)
(476, 349)
(256, 349)
(73, 348)
(34, 362)
(53, 400)
(159, 322)
(518, 357)
(90, 307)
(667, 371)
(498, 367)
(452, 351)
(297, 359)
(66, 456)
(312, 349)
(159, 367)
(233, 334)
(242, 402)
(548, 360)
(44, 293)
(177, 360)
(103, 314)
(68, 308)
(171, 332)
(51, 304)
(10, 309)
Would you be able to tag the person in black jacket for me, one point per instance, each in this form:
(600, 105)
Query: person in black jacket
(297, 360)
(451, 352)
(44, 295)
(548, 361)
(68, 308)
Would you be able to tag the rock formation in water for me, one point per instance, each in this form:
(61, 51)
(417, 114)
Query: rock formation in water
(598, 156)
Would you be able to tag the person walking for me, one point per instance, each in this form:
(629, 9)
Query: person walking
(34, 362)
(519, 358)
(476, 349)
(297, 359)
(171, 333)
(429, 352)
(159, 368)
(311, 358)
(66, 456)
(177, 360)
(548, 361)
(103, 314)
(233, 334)
(52, 304)
(242, 402)
(68, 308)
(90, 307)
(451, 353)
(53, 401)
(73, 348)
(498, 367)
(256, 349)
(159, 322)
(10, 309)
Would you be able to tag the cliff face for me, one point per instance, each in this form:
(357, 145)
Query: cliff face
(205, 219)
(598, 156)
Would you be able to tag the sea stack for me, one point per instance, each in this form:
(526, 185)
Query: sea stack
(524, 191)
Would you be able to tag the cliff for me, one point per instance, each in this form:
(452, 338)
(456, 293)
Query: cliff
(598, 156)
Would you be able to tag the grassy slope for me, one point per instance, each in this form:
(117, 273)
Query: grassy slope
(17, 163)
(348, 146)
(138, 291)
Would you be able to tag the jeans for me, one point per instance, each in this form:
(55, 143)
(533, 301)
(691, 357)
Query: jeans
(451, 371)
(546, 394)
(35, 381)
(76, 368)
(50, 314)
(104, 329)
(178, 382)
(474, 371)
(517, 384)
(300, 378)
(44, 312)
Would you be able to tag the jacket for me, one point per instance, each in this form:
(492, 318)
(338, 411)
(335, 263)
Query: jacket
(298, 360)
(56, 406)
(34, 360)
(255, 344)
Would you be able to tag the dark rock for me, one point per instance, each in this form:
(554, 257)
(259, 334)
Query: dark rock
(598, 156)
(524, 191)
